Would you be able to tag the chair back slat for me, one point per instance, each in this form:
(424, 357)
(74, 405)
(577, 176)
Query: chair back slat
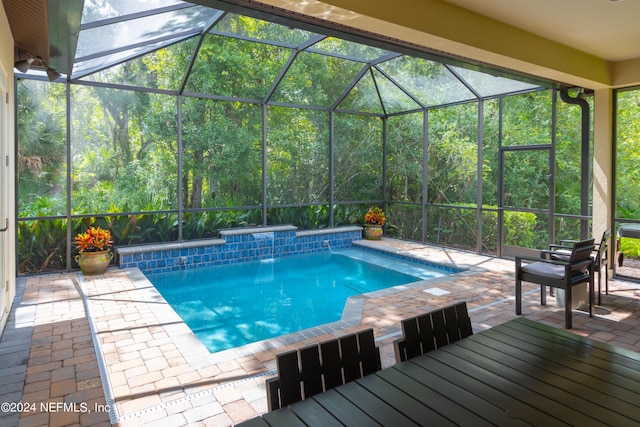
(368, 352)
(290, 391)
(427, 339)
(323, 367)
(432, 330)
(311, 372)
(451, 320)
(350, 359)
(331, 364)
(464, 321)
(439, 328)
(413, 337)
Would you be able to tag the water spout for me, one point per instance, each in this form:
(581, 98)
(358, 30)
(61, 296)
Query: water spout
(264, 243)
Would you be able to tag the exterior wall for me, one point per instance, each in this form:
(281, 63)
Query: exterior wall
(603, 169)
(626, 73)
(236, 245)
(7, 180)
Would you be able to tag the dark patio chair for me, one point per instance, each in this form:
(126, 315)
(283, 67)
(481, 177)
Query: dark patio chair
(322, 367)
(557, 273)
(432, 330)
(600, 258)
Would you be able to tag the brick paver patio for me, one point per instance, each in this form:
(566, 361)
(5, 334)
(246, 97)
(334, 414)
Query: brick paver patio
(107, 349)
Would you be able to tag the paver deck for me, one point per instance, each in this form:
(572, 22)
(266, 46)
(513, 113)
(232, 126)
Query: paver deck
(107, 349)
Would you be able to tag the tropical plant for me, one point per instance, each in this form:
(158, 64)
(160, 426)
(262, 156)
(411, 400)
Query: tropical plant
(375, 216)
(42, 245)
(95, 239)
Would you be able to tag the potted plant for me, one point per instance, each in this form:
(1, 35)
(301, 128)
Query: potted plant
(95, 255)
(374, 219)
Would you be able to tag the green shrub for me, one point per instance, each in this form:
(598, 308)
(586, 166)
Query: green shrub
(630, 247)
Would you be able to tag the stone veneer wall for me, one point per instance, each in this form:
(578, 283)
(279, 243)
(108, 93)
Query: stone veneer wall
(236, 245)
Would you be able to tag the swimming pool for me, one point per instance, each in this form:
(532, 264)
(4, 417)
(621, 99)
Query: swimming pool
(235, 304)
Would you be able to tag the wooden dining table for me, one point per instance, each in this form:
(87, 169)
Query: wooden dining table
(521, 372)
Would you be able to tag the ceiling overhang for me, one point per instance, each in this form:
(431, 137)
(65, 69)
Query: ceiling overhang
(45, 30)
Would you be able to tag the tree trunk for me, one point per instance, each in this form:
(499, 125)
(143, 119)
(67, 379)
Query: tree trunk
(196, 193)
(196, 185)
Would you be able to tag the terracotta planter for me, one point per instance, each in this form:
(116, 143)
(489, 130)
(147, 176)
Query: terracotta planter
(372, 232)
(94, 262)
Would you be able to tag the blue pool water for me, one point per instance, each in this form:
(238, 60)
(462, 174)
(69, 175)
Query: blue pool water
(235, 304)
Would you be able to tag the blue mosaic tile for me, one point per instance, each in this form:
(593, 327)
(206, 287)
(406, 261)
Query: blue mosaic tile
(239, 248)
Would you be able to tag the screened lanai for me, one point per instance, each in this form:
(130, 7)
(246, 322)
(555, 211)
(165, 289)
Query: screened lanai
(172, 121)
(178, 123)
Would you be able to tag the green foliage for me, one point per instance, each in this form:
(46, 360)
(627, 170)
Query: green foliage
(349, 214)
(526, 182)
(134, 229)
(523, 229)
(202, 225)
(316, 80)
(453, 154)
(527, 119)
(490, 151)
(235, 67)
(297, 156)
(628, 165)
(222, 162)
(405, 221)
(404, 157)
(628, 155)
(303, 217)
(457, 227)
(41, 149)
(568, 158)
(358, 158)
(121, 150)
(42, 245)
(630, 247)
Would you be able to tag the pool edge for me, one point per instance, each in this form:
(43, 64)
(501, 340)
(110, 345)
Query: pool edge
(198, 356)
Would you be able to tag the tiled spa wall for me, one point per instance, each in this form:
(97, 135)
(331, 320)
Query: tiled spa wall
(236, 245)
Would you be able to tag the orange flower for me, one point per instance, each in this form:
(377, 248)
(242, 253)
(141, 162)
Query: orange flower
(93, 240)
(375, 216)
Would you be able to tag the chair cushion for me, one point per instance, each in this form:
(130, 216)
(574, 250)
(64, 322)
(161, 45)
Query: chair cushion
(561, 254)
(544, 269)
